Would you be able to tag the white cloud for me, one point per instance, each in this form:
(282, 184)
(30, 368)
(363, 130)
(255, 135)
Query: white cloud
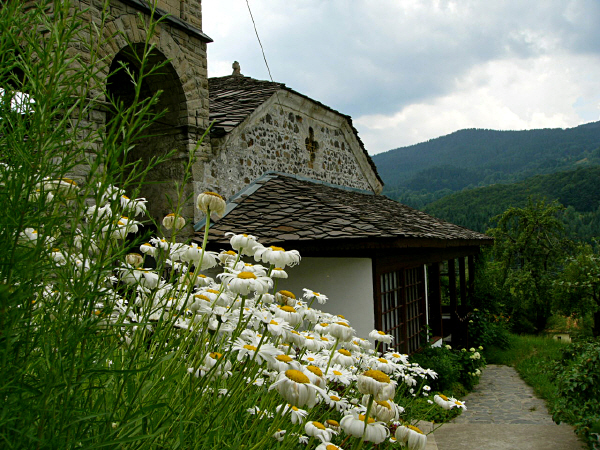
(505, 95)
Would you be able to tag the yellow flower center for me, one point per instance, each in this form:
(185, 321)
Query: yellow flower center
(377, 375)
(214, 194)
(230, 252)
(250, 347)
(362, 418)
(343, 324)
(323, 338)
(272, 322)
(215, 355)
(171, 215)
(318, 425)
(212, 291)
(147, 244)
(294, 408)
(286, 308)
(382, 360)
(337, 373)
(341, 316)
(415, 429)
(246, 276)
(69, 181)
(297, 376)
(382, 333)
(396, 355)
(331, 447)
(314, 369)
(284, 358)
(276, 249)
(333, 423)
(316, 294)
(344, 352)
(384, 404)
(334, 398)
(287, 293)
(202, 297)
(443, 397)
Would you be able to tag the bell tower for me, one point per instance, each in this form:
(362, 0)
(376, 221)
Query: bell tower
(179, 49)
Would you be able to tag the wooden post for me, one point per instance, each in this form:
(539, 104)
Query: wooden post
(435, 300)
(462, 330)
(462, 274)
(453, 300)
(471, 285)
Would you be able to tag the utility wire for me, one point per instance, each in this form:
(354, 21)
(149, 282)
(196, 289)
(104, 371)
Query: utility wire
(259, 43)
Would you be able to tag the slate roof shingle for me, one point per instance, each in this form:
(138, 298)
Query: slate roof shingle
(279, 207)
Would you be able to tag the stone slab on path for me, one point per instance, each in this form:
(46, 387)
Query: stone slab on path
(504, 414)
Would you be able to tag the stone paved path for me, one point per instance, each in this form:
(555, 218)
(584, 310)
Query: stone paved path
(503, 413)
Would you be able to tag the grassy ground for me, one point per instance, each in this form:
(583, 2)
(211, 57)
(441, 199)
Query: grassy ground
(532, 357)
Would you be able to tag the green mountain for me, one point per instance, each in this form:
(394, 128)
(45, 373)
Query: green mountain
(578, 190)
(420, 174)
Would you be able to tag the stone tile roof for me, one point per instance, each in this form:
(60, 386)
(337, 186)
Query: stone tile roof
(234, 97)
(281, 208)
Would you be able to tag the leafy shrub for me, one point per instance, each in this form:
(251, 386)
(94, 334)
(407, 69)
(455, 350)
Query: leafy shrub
(452, 366)
(471, 362)
(487, 330)
(577, 376)
(442, 361)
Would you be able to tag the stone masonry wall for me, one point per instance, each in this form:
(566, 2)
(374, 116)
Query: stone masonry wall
(310, 142)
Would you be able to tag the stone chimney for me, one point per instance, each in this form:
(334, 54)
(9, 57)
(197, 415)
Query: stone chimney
(236, 69)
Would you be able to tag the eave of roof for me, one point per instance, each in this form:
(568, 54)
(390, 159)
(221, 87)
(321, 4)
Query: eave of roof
(234, 97)
(144, 6)
(281, 208)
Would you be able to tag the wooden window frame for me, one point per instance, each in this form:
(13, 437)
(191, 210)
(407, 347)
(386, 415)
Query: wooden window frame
(400, 308)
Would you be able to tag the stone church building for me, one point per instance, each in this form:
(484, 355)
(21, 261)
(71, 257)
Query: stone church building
(296, 175)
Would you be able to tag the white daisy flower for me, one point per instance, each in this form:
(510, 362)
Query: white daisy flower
(295, 387)
(277, 256)
(297, 415)
(376, 383)
(354, 425)
(318, 430)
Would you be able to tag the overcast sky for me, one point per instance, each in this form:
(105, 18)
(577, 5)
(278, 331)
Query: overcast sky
(412, 70)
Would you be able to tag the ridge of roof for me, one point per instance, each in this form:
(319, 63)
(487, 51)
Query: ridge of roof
(227, 110)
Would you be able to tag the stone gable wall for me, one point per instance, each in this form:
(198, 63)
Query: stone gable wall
(301, 138)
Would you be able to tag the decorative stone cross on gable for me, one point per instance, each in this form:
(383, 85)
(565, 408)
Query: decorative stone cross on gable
(311, 145)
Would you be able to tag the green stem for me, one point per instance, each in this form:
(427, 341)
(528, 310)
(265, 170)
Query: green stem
(332, 353)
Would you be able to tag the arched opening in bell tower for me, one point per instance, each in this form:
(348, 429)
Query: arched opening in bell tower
(167, 133)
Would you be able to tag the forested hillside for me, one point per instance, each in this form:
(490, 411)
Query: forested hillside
(578, 190)
(422, 173)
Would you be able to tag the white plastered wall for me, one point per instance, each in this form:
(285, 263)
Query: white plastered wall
(347, 282)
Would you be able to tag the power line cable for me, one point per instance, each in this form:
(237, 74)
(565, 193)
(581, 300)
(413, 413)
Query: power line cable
(259, 42)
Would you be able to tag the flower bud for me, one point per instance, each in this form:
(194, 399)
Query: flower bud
(174, 221)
